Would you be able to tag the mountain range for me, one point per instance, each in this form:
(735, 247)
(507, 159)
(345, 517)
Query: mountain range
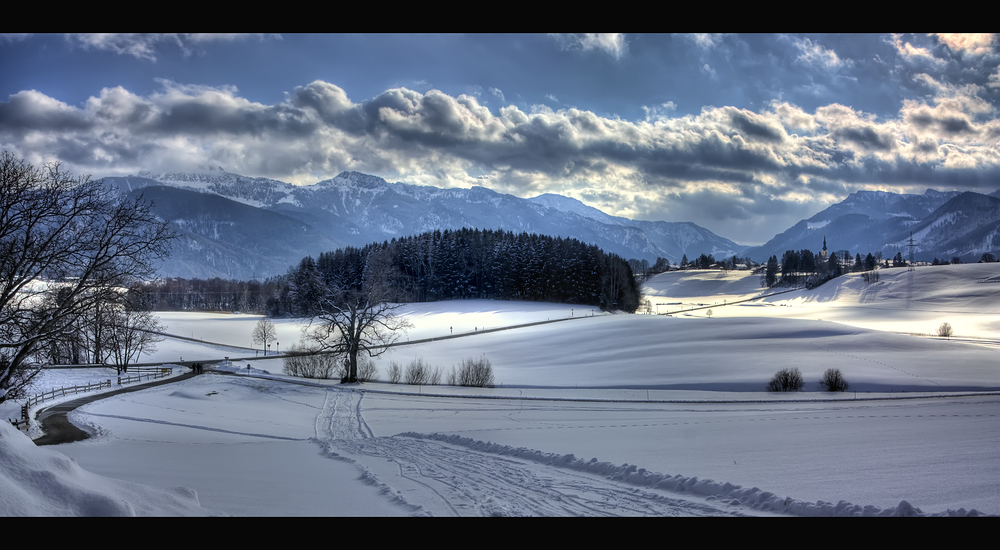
(943, 225)
(240, 227)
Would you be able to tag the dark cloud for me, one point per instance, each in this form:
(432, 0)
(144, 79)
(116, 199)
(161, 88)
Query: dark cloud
(755, 129)
(951, 124)
(31, 110)
(865, 136)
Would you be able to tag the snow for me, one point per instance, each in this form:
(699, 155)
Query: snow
(903, 301)
(602, 415)
(44, 482)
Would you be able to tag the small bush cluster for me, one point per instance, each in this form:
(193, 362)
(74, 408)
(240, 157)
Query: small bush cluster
(786, 380)
(945, 330)
(307, 363)
(477, 373)
(311, 363)
(472, 372)
(791, 380)
(833, 380)
(418, 373)
(367, 370)
(395, 372)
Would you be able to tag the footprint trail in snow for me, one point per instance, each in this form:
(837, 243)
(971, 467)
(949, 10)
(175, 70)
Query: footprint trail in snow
(432, 477)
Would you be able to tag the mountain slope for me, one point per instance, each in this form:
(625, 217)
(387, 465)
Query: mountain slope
(354, 209)
(943, 225)
(223, 238)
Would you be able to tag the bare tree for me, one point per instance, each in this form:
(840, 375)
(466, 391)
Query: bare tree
(264, 333)
(67, 244)
(358, 318)
(130, 334)
(833, 380)
(786, 380)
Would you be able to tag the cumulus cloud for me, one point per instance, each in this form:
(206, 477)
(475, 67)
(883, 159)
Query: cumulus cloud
(968, 43)
(751, 161)
(613, 43)
(914, 54)
(145, 45)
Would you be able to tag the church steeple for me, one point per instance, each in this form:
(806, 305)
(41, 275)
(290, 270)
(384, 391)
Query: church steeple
(823, 254)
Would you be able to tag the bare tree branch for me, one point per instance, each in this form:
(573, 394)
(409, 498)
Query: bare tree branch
(357, 318)
(67, 245)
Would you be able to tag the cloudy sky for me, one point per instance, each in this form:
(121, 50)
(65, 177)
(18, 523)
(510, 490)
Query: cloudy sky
(744, 135)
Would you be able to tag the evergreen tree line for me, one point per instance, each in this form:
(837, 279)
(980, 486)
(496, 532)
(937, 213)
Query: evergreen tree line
(467, 263)
(804, 267)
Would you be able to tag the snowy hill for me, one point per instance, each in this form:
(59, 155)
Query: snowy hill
(902, 301)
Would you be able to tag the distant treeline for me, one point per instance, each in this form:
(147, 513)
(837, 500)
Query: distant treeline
(803, 267)
(176, 294)
(438, 265)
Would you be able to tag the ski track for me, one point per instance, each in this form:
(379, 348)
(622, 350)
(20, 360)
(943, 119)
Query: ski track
(465, 482)
(464, 477)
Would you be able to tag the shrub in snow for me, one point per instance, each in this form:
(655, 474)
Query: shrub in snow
(306, 363)
(945, 330)
(434, 376)
(417, 372)
(367, 370)
(833, 380)
(395, 372)
(473, 372)
(786, 380)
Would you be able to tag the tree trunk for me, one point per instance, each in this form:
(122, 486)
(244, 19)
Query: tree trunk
(352, 366)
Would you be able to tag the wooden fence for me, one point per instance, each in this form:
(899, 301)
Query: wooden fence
(141, 373)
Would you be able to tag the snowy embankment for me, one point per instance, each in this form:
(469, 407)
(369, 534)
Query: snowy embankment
(38, 481)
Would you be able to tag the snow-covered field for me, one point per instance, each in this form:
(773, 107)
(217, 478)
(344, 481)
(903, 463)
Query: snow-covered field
(610, 414)
(966, 296)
